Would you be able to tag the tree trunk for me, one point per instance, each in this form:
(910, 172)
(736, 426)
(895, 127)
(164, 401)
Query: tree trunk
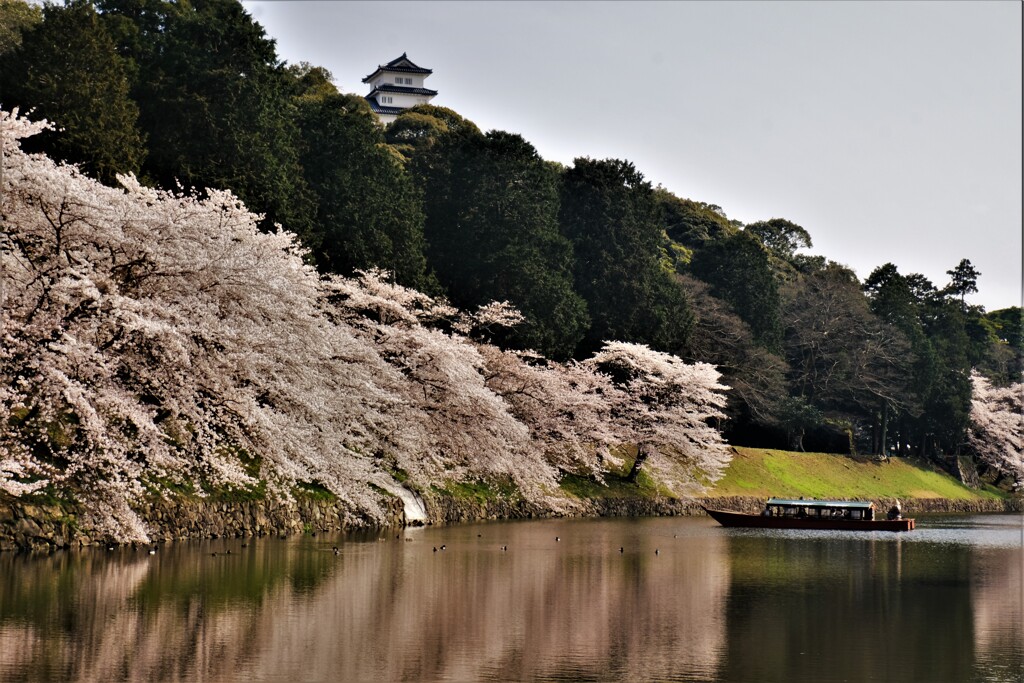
(885, 431)
(906, 435)
(634, 472)
(796, 441)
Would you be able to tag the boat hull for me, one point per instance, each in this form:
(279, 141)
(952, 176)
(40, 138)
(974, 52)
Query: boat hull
(739, 519)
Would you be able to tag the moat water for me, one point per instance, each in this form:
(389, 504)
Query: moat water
(552, 600)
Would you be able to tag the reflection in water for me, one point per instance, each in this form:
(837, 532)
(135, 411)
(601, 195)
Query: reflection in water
(562, 609)
(841, 610)
(711, 605)
(998, 609)
(381, 610)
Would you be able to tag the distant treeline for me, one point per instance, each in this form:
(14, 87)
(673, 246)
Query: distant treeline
(193, 95)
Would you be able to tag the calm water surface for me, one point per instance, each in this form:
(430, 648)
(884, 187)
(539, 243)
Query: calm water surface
(685, 600)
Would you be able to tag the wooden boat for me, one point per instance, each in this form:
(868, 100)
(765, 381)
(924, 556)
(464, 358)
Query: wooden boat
(789, 513)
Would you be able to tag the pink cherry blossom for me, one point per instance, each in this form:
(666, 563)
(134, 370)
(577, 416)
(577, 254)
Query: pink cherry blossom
(154, 340)
(996, 431)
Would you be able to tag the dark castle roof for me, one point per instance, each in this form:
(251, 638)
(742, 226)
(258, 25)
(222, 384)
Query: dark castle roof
(405, 90)
(402, 64)
(379, 109)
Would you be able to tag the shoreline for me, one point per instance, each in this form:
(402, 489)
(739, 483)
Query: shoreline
(25, 526)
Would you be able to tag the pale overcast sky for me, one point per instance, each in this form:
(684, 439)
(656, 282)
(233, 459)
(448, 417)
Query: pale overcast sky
(890, 131)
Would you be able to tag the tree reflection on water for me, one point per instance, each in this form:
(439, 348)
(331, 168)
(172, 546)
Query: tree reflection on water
(711, 605)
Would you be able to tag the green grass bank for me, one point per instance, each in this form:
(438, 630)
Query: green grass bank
(35, 523)
(760, 473)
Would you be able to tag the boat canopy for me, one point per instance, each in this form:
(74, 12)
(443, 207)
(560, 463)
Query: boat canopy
(830, 504)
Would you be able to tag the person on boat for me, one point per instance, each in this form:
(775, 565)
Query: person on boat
(895, 512)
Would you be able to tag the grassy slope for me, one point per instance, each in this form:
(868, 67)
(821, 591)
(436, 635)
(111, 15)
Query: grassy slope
(762, 473)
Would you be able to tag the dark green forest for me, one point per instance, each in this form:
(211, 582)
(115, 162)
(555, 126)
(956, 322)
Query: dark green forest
(193, 95)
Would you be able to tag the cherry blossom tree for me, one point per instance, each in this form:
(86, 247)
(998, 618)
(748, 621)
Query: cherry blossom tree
(156, 337)
(666, 408)
(564, 406)
(156, 340)
(581, 415)
(996, 431)
(454, 426)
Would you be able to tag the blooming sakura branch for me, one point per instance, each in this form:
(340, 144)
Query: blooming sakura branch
(157, 341)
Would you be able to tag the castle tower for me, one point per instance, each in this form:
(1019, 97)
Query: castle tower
(396, 86)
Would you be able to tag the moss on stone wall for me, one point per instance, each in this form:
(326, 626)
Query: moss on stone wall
(47, 527)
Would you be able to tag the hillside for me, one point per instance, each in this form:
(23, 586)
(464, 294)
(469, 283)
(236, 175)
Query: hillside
(587, 252)
(761, 472)
(256, 296)
(161, 344)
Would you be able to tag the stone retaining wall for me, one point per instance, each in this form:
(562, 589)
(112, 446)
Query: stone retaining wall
(34, 527)
(447, 510)
(41, 527)
(178, 519)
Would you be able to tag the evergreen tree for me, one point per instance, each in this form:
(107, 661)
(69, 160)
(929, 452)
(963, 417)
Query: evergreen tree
(947, 400)
(418, 128)
(1009, 326)
(492, 228)
(941, 355)
(739, 271)
(963, 280)
(892, 299)
(781, 237)
(68, 71)
(369, 213)
(691, 224)
(214, 103)
(610, 214)
(1004, 364)
(16, 17)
